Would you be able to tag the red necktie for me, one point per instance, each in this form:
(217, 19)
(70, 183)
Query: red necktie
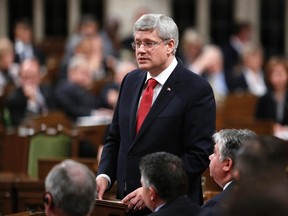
(145, 103)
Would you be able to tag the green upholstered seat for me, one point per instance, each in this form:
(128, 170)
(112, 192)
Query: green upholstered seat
(47, 146)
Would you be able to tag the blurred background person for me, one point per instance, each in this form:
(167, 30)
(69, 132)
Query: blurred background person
(92, 49)
(274, 104)
(9, 71)
(70, 189)
(73, 95)
(24, 45)
(110, 91)
(232, 48)
(209, 64)
(261, 173)
(32, 97)
(191, 47)
(249, 77)
(88, 27)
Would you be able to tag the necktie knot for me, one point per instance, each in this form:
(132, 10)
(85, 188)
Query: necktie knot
(151, 83)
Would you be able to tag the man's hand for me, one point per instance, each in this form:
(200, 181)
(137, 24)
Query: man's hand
(30, 92)
(135, 200)
(101, 186)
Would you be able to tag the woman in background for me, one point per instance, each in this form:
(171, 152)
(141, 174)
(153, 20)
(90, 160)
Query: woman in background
(274, 104)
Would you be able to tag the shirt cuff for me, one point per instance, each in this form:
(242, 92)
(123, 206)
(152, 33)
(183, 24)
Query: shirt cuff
(105, 176)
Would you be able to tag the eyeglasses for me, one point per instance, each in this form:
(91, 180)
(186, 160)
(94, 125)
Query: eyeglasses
(147, 45)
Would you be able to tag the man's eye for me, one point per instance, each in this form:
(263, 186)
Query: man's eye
(149, 44)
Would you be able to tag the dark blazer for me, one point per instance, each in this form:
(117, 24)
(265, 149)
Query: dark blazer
(231, 60)
(17, 103)
(37, 53)
(220, 199)
(266, 108)
(74, 100)
(181, 121)
(181, 206)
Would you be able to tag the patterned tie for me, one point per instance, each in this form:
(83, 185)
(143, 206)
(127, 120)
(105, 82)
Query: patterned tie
(145, 103)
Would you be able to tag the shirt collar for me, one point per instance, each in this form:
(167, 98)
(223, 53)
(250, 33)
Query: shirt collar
(163, 76)
(226, 185)
(158, 207)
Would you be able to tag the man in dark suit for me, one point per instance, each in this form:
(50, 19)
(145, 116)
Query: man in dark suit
(73, 95)
(165, 184)
(232, 50)
(32, 97)
(181, 120)
(227, 143)
(23, 45)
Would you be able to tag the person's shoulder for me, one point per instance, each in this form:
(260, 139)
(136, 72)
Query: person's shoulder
(181, 206)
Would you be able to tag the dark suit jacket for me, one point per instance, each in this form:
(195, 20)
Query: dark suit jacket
(17, 103)
(266, 108)
(217, 204)
(231, 60)
(181, 206)
(181, 121)
(37, 53)
(218, 199)
(74, 100)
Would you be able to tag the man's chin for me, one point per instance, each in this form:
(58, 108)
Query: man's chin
(143, 67)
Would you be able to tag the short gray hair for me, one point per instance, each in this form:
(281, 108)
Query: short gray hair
(165, 26)
(72, 187)
(230, 141)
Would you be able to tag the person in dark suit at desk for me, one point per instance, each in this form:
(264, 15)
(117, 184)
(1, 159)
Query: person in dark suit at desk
(70, 189)
(181, 120)
(227, 143)
(73, 95)
(32, 97)
(165, 184)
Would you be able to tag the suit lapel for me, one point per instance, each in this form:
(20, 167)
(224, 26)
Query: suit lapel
(166, 94)
(137, 90)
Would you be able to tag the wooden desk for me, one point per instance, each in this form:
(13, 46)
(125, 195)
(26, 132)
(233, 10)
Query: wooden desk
(102, 208)
(28, 213)
(109, 208)
(14, 155)
(29, 193)
(7, 193)
(95, 134)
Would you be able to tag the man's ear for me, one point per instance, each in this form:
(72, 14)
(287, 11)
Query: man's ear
(47, 200)
(170, 46)
(152, 193)
(228, 165)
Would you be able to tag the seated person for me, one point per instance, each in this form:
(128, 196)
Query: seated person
(261, 173)
(73, 95)
(165, 185)
(23, 45)
(249, 77)
(209, 64)
(32, 97)
(8, 70)
(109, 93)
(70, 190)
(273, 105)
(227, 143)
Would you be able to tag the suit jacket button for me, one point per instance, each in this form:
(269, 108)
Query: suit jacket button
(130, 156)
